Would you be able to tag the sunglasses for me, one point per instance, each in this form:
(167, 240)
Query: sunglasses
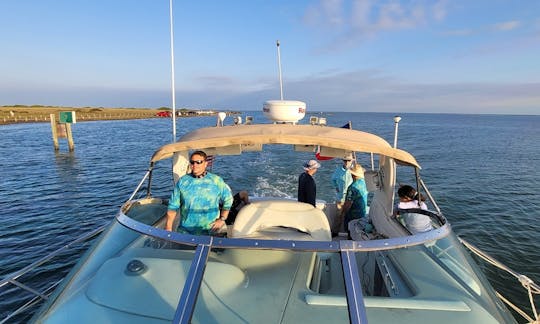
(196, 162)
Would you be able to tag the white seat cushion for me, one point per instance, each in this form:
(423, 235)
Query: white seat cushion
(261, 215)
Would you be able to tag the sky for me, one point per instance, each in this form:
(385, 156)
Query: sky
(437, 56)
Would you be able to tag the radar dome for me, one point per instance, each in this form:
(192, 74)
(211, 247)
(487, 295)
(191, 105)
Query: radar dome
(284, 111)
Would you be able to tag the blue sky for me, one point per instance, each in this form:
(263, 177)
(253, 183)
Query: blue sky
(454, 56)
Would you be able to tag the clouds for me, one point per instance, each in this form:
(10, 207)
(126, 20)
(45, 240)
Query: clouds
(498, 27)
(354, 20)
(507, 25)
(359, 91)
(357, 55)
(373, 91)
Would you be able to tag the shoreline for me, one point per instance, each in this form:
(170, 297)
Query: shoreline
(41, 114)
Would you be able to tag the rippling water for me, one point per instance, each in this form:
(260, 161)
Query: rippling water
(481, 169)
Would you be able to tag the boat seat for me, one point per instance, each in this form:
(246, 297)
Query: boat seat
(372, 179)
(274, 218)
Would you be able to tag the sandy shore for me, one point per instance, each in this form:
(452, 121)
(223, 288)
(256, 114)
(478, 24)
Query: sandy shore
(41, 114)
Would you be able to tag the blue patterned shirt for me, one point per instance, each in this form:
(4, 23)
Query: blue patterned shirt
(357, 194)
(341, 179)
(199, 201)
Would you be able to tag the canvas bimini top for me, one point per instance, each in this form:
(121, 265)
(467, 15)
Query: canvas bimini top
(238, 138)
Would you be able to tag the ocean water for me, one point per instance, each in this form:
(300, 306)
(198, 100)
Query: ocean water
(481, 169)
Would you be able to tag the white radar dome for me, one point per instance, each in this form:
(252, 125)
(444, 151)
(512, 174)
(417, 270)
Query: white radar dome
(284, 111)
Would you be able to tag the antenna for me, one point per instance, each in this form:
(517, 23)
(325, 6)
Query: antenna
(279, 67)
(397, 119)
(172, 74)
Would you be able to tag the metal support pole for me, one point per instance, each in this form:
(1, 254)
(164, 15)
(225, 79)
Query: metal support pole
(396, 122)
(172, 73)
(279, 67)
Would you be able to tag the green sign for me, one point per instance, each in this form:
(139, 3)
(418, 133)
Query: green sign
(67, 117)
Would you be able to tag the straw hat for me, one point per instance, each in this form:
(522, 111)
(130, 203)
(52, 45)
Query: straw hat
(348, 157)
(357, 171)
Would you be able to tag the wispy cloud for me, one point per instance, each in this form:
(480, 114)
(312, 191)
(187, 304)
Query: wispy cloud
(331, 12)
(458, 32)
(381, 93)
(507, 25)
(352, 21)
(498, 27)
(363, 90)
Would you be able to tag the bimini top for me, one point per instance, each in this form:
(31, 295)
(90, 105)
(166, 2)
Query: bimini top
(250, 136)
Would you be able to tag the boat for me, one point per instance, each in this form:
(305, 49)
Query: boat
(278, 262)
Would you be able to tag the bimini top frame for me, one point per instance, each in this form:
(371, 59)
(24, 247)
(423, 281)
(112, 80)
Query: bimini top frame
(305, 135)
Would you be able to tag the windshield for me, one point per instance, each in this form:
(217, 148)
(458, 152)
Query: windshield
(139, 272)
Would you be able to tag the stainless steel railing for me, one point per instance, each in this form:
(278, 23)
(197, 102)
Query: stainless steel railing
(37, 296)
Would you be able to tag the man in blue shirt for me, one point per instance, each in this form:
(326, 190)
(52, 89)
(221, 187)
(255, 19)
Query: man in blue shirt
(341, 180)
(355, 205)
(203, 199)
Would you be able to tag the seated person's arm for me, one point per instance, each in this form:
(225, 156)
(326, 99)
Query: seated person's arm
(171, 215)
(220, 221)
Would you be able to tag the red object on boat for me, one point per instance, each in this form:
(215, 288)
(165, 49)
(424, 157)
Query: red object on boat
(320, 157)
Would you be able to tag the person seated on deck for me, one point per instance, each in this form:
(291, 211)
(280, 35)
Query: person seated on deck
(408, 199)
(355, 206)
(240, 199)
(203, 199)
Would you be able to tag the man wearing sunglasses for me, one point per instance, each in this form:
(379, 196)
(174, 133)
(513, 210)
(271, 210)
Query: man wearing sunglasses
(203, 199)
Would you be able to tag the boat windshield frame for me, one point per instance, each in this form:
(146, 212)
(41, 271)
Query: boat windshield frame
(347, 249)
(293, 245)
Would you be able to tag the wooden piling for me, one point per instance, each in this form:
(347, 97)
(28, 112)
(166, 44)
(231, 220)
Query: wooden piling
(61, 130)
(54, 133)
(71, 145)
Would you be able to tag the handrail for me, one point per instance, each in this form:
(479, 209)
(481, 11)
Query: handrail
(526, 282)
(37, 296)
(31, 302)
(253, 243)
(46, 258)
(429, 195)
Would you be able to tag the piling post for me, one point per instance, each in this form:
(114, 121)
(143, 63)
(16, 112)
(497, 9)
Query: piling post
(71, 145)
(54, 133)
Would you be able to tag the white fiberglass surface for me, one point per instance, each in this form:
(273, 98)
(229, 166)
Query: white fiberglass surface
(123, 278)
(130, 277)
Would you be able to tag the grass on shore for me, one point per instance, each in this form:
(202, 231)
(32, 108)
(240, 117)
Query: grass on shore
(23, 114)
(43, 110)
(37, 113)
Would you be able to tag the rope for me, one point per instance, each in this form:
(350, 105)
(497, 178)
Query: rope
(526, 282)
(514, 307)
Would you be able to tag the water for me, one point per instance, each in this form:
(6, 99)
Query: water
(481, 169)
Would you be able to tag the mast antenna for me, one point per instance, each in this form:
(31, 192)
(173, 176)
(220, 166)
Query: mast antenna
(172, 73)
(279, 67)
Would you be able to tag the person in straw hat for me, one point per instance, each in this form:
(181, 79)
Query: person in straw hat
(307, 190)
(341, 180)
(355, 205)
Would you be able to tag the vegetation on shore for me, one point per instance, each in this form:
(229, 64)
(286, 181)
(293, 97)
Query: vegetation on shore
(38, 113)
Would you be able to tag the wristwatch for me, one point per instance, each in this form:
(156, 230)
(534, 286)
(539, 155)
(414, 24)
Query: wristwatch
(222, 218)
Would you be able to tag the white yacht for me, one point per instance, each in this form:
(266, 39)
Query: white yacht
(278, 262)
